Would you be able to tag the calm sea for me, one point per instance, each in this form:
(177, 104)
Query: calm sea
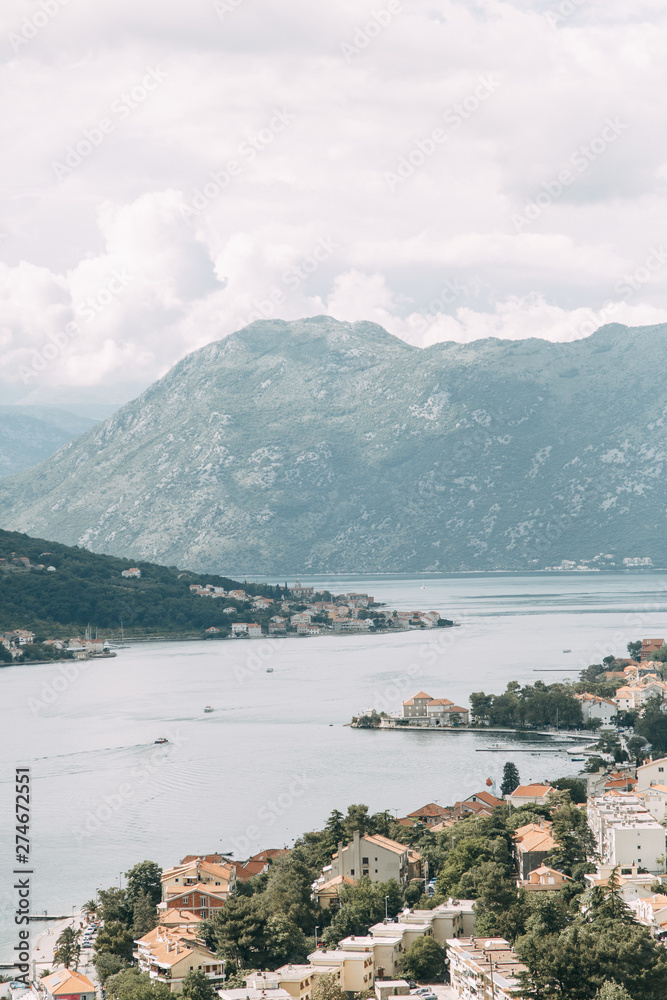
(275, 756)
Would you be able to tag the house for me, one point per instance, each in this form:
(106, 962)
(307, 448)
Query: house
(184, 919)
(484, 968)
(357, 968)
(328, 892)
(485, 797)
(650, 646)
(544, 878)
(596, 709)
(655, 800)
(132, 574)
(198, 886)
(374, 856)
(429, 814)
(653, 772)
(534, 794)
(532, 843)
(212, 631)
(625, 832)
(415, 707)
(652, 913)
(67, 985)
(387, 951)
(168, 956)
(301, 618)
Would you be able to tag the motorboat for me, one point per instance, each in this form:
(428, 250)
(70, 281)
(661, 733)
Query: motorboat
(209, 708)
(269, 670)
(567, 650)
(162, 739)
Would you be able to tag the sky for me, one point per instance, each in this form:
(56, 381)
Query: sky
(451, 170)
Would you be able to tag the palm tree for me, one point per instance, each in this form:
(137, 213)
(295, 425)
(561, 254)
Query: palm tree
(68, 949)
(90, 906)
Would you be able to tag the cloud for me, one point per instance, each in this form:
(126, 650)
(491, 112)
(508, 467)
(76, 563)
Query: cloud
(282, 124)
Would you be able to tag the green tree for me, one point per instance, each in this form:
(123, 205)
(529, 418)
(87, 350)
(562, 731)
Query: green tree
(145, 877)
(612, 991)
(115, 939)
(114, 906)
(68, 949)
(5, 654)
(286, 942)
(145, 915)
(424, 960)
(511, 778)
(575, 844)
(131, 984)
(652, 724)
(335, 828)
(326, 988)
(197, 987)
(634, 649)
(575, 786)
(357, 819)
(108, 964)
(239, 929)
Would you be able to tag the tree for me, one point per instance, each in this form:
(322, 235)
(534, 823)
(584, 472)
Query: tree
(107, 964)
(511, 778)
(612, 991)
(326, 988)
(114, 906)
(575, 786)
(68, 949)
(145, 915)
(145, 877)
(239, 929)
(652, 724)
(131, 984)
(634, 649)
(424, 960)
(5, 654)
(197, 987)
(575, 843)
(115, 939)
(90, 906)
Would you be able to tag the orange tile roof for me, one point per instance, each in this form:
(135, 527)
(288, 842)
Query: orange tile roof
(390, 845)
(66, 982)
(529, 790)
(432, 809)
(338, 880)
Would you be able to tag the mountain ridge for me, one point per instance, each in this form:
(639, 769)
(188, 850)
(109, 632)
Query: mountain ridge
(321, 446)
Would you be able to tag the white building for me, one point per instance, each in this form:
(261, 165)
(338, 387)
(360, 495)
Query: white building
(484, 968)
(597, 709)
(133, 573)
(375, 856)
(626, 833)
(654, 772)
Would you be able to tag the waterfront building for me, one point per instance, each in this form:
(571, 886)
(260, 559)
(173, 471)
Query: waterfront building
(67, 985)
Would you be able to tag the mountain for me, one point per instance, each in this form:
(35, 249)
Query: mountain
(29, 434)
(83, 588)
(323, 446)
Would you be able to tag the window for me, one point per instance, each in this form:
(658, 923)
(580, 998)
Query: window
(661, 769)
(364, 861)
(351, 871)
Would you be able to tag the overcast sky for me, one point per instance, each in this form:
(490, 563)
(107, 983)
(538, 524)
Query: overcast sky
(451, 170)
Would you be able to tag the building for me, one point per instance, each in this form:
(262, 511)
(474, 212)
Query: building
(356, 968)
(387, 950)
(534, 794)
(132, 574)
(66, 985)
(198, 886)
(435, 711)
(375, 856)
(385, 988)
(626, 834)
(328, 893)
(430, 814)
(655, 800)
(415, 707)
(544, 879)
(653, 772)
(596, 709)
(484, 968)
(621, 779)
(169, 955)
(532, 843)
(650, 646)
(652, 913)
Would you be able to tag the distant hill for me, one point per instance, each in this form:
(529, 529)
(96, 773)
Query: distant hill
(29, 434)
(319, 446)
(88, 589)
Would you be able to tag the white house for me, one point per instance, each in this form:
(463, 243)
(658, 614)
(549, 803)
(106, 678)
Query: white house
(654, 772)
(132, 573)
(534, 794)
(597, 709)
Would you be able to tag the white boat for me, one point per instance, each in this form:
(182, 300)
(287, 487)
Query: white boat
(567, 650)
(269, 670)
(209, 708)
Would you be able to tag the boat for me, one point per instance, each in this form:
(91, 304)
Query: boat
(209, 708)
(567, 650)
(162, 739)
(269, 670)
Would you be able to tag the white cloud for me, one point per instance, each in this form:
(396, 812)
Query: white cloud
(439, 256)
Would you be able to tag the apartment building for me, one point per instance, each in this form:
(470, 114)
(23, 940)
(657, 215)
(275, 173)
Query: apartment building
(375, 856)
(484, 968)
(626, 833)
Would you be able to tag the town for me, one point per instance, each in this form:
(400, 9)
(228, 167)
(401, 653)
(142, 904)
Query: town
(385, 908)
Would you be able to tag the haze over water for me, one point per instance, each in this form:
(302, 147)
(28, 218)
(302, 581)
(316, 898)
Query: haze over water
(275, 757)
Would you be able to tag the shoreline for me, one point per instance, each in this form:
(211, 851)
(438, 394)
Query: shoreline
(588, 738)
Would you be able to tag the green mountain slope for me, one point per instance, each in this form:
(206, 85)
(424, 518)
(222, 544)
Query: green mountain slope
(88, 589)
(29, 434)
(335, 447)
